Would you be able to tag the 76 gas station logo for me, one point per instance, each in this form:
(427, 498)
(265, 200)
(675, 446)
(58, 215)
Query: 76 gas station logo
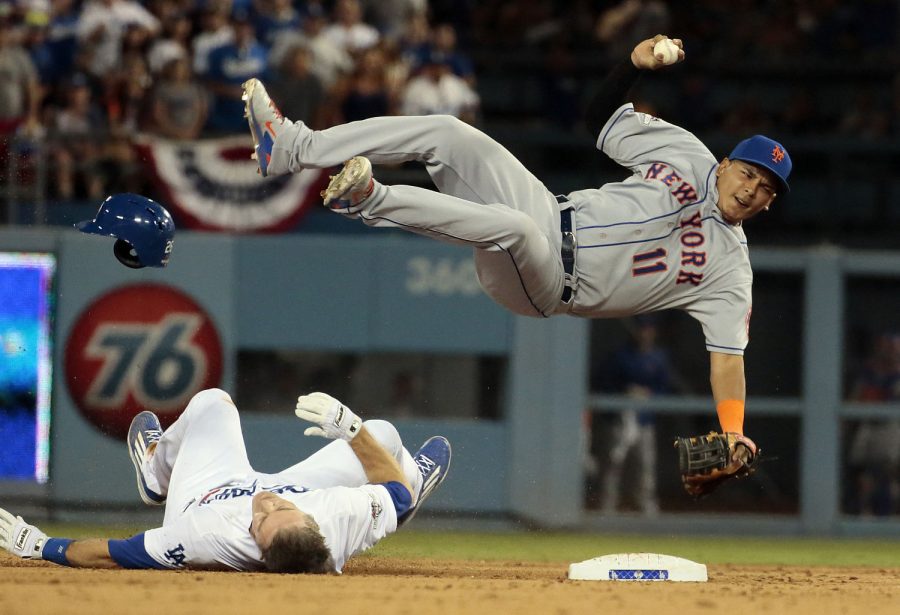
(154, 362)
(144, 346)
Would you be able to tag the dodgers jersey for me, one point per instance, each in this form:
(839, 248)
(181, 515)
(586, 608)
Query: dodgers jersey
(657, 240)
(213, 532)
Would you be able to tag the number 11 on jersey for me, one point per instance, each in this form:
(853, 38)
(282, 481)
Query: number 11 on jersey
(649, 262)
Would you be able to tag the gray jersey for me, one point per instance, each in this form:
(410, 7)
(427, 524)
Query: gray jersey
(652, 242)
(657, 240)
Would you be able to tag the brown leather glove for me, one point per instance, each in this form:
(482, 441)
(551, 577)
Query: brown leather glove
(708, 461)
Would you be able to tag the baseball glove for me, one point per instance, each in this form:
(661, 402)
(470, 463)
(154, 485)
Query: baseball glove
(708, 461)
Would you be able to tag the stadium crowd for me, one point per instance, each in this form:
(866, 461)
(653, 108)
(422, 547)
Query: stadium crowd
(89, 75)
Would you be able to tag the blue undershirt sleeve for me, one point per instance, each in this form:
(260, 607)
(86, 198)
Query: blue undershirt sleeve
(130, 553)
(400, 495)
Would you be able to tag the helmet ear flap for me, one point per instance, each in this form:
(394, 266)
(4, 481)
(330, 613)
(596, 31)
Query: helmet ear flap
(126, 254)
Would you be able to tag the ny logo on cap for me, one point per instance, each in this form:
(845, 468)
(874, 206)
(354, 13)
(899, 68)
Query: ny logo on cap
(777, 154)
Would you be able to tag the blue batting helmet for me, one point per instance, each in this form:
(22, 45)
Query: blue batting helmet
(143, 229)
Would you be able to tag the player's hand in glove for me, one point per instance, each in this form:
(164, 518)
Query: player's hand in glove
(19, 538)
(332, 418)
(708, 461)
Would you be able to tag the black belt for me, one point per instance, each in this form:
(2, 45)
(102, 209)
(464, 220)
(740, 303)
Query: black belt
(568, 246)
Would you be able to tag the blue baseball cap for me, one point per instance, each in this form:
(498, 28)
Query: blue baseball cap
(767, 153)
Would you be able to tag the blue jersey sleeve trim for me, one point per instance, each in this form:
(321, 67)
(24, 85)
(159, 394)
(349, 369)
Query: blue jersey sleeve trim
(400, 495)
(131, 553)
(735, 350)
(628, 107)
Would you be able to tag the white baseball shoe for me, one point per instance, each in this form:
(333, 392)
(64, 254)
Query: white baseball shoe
(265, 120)
(433, 461)
(348, 190)
(143, 434)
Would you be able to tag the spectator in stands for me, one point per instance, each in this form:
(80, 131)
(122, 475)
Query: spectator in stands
(174, 42)
(273, 17)
(125, 87)
(414, 43)
(348, 29)
(62, 36)
(436, 90)
(126, 95)
(125, 106)
(229, 66)
(178, 103)
(34, 41)
(20, 93)
(77, 132)
(297, 90)
(103, 25)
(330, 61)
(366, 93)
(874, 455)
(390, 17)
(443, 41)
(215, 31)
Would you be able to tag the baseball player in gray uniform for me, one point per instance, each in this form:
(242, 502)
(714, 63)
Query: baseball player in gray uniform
(668, 236)
(222, 514)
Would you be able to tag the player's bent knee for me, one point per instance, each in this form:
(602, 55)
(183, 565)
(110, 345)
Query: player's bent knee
(210, 400)
(385, 433)
(449, 130)
(521, 228)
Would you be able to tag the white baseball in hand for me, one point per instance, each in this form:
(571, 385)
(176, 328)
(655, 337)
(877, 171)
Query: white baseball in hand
(666, 51)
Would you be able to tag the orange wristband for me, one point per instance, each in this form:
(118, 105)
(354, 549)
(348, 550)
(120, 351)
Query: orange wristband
(731, 415)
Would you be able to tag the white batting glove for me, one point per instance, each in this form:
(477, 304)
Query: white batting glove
(19, 538)
(332, 418)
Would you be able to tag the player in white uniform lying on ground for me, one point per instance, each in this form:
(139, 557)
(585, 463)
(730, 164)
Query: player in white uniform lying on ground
(669, 236)
(222, 514)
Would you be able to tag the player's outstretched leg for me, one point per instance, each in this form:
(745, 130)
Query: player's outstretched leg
(266, 121)
(462, 160)
(433, 461)
(143, 435)
(348, 190)
(487, 199)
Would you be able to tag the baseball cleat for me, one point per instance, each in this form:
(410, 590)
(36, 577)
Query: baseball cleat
(265, 120)
(433, 461)
(348, 190)
(144, 433)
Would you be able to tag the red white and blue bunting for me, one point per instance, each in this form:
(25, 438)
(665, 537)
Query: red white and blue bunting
(212, 184)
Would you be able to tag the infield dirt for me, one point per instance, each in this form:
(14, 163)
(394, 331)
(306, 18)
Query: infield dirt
(376, 584)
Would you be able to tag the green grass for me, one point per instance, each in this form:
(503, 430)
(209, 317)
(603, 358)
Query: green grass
(575, 547)
(70, 530)
(572, 547)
